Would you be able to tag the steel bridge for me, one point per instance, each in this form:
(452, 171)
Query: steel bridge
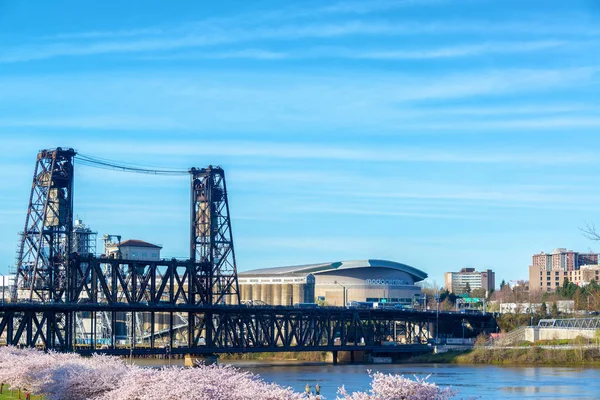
(230, 329)
(68, 301)
(570, 323)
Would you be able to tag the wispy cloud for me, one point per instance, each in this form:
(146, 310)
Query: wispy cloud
(121, 122)
(256, 17)
(383, 103)
(212, 34)
(458, 51)
(301, 151)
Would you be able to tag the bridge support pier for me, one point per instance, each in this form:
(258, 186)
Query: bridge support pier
(351, 357)
(335, 357)
(192, 360)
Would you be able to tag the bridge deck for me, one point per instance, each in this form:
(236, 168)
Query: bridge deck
(198, 329)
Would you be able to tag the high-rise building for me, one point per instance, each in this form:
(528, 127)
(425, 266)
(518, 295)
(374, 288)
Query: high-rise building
(548, 271)
(468, 278)
(563, 259)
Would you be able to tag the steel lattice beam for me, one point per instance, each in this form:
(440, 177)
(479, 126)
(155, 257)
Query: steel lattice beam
(211, 240)
(42, 264)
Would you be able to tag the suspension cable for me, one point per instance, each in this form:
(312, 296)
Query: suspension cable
(102, 163)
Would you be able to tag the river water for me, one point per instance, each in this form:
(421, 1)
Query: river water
(485, 381)
(480, 381)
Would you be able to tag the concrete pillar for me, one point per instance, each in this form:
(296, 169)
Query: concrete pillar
(276, 294)
(335, 357)
(249, 292)
(286, 294)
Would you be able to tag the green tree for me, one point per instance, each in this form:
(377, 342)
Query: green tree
(544, 309)
(554, 310)
(579, 299)
(467, 288)
(478, 293)
(502, 284)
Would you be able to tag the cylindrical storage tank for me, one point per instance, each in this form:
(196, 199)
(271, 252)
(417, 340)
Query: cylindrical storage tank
(242, 291)
(298, 293)
(256, 291)
(276, 289)
(264, 289)
(269, 294)
(286, 294)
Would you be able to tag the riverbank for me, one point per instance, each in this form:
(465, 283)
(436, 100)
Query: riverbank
(308, 356)
(532, 355)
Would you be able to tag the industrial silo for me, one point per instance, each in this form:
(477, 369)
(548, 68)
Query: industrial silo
(257, 291)
(264, 290)
(268, 291)
(286, 294)
(298, 292)
(276, 288)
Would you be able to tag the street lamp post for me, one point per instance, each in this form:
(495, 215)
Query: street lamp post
(168, 351)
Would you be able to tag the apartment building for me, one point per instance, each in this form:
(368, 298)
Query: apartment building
(548, 271)
(468, 278)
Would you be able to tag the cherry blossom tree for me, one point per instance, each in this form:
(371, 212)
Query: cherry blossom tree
(60, 376)
(397, 387)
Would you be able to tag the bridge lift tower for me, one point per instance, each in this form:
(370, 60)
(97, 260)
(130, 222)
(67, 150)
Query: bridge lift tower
(210, 234)
(42, 262)
(44, 270)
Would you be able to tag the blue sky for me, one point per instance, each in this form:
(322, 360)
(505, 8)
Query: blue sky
(439, 133)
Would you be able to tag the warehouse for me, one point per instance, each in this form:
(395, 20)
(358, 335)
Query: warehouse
(334, 283)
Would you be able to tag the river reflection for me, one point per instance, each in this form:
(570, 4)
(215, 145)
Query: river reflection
(487, 382)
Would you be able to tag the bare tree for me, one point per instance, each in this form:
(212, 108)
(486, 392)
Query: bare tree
(589, 231)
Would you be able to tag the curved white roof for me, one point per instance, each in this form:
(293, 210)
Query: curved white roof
(315, 269)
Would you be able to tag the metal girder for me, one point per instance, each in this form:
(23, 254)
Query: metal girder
(570, 323)
(189, 328)
(211, 239)
(42, 261)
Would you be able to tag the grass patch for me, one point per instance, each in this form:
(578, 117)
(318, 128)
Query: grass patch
(278, 356)
(8, 394)
(530, 356)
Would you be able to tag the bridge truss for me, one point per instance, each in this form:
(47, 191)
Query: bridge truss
(69, 301)
(570, 323)
(225, 329)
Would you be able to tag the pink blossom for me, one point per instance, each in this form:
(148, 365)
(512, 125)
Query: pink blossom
(397, 387)
(68, 376)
